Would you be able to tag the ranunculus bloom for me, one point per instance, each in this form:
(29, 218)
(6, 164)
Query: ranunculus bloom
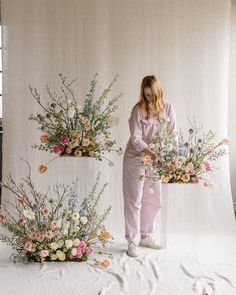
(105, 235)
(78, 153)
(44, 138)
(59, 149)
(2, 218)
(89, 250)
(85, 142)
(42, 169)
(68, 150)
(105, 263)
(64, 139)
(29, 246)
(79, 253)
(82, 245)
(147, 160)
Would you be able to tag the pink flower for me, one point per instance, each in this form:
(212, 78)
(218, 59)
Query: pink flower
(68, 150)
(2, 218)
(31, 247)
(79, 253)
(205, 183)
(49, 234)
(178, 164)
(85, 142)
(22, 200)
(43, 253)
(41, 237)
(82, 245)
(45, 212)
(64, 139)
(21, 220)
(208, 166)
(59, 149)
(196, 180)
(56, 224)
(89, 251)
(34, 236)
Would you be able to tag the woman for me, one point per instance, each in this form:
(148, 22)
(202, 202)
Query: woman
(141, 206)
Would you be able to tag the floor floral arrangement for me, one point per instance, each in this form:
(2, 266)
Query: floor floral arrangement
(52, 226)
(70, 129)
(183, 161)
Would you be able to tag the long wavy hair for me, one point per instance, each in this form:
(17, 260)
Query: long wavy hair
(157, 97)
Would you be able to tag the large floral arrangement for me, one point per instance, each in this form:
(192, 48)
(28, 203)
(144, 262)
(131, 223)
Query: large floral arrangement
(183, 161)
(72, 130)
(42, 227)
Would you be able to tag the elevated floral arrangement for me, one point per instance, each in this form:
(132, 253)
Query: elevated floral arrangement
(180, 160)
(42, 227)
(70, 129)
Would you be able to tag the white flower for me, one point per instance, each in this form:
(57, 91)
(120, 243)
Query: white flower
(60, 243)
(75, 216)
(53, 257)
(54, 246)
(112, 121)
(83, 220)
(61, 255)
(65, 231)
(68, 244)
(152, 145)
(29, 214)
(71, 112)
(79, 107)
(76, 242)
(73, 251)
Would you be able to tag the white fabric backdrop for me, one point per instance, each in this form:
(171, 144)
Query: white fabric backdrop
(184, 42)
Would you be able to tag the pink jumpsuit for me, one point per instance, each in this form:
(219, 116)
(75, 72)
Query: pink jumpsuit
(141, 206)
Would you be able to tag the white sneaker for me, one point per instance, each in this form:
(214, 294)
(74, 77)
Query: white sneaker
(149, 242)
(132, 249)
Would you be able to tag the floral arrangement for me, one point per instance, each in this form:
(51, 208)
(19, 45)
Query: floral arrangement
(45, 228)
(72, 130)
(180, 160)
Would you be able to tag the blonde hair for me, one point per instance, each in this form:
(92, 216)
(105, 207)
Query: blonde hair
(157, 97)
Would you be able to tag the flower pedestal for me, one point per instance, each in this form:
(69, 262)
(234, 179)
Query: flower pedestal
(182, 215)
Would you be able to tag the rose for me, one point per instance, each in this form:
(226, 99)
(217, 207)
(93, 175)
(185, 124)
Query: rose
(78, 153)
(79, 253)
(54, 246)
(85, 142)
(60, 255)
(89, 250)
(76, 242)
(82, 245)
(147, 160)
(43, 253)
(53, 257)
(196, 180)
(49, 234)
(68, 244)
(59, 149)
(44, 138)
(29, 246)
(68, 150)
(64, 139)
(41, 237)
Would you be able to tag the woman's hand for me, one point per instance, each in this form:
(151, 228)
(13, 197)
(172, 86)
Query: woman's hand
(149, 152)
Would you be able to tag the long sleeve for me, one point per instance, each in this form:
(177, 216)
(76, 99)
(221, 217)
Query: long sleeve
(172, 117)
(136, 130)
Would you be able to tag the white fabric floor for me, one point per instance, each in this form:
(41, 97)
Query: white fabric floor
(154, 272)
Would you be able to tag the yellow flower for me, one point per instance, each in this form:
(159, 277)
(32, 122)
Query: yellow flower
(61, 255)
(185, 178)
(165, 179)
(105, 263)
(42, 169)
(53, 257)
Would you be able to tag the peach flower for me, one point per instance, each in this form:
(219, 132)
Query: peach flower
(85, 142)
(44, 138)
(105, 235)
(31, 247)
(105, 263)
(147, 160)
(42, 169)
